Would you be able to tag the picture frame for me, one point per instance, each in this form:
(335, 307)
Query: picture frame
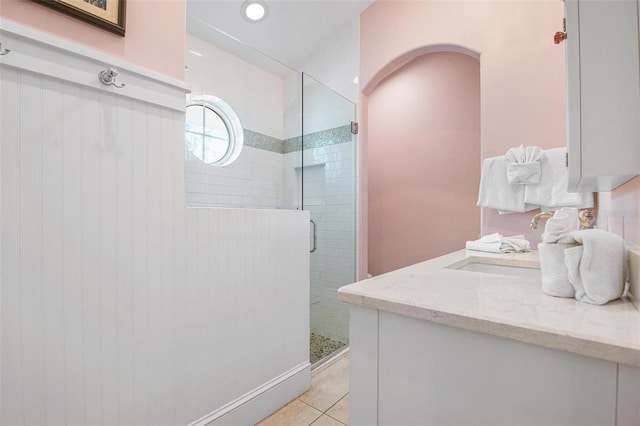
(107, 14)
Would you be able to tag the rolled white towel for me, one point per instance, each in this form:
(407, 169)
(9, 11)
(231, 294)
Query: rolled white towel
(496, 243)
(597, 268)
(559, 227)
(553, 271)
(523, 165)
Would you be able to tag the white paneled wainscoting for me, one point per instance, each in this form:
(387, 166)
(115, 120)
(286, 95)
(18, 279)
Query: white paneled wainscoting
(118, 304)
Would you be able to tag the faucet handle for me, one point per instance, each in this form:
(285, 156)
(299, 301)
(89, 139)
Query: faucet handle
(587, 220)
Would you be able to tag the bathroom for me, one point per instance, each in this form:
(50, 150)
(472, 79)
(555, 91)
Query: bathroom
(76, 220)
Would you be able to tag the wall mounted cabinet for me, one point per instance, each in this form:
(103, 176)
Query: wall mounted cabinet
(603, 93)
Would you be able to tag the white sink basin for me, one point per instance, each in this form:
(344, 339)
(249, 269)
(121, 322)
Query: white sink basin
(490, 266)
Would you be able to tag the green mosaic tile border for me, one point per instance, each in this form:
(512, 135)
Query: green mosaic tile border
(261, 141)
(333, 136)
(292, 144)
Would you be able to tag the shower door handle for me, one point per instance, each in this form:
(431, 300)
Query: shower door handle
(315, 236)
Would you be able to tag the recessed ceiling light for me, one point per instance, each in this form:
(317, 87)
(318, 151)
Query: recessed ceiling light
(254, 10)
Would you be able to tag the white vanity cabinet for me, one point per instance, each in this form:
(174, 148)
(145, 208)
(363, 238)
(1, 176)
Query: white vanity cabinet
(603, 93)
(406, 371)
(432, 344)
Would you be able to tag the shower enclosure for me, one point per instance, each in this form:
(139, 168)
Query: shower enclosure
(298, 153)
(328, 193)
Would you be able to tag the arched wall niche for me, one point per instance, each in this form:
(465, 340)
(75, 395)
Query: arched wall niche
(423, 157)
(409, 56)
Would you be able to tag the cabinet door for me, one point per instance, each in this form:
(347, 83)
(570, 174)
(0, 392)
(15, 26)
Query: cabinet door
(628, 395)
(603, 83)
(432, 374)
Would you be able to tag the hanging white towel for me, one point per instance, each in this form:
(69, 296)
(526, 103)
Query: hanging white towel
(598, 268)
(551, 192)
(496, 192)
(496, 243)
(523, 165)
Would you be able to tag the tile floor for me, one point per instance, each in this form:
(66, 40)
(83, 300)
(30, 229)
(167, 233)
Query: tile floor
(325, 404)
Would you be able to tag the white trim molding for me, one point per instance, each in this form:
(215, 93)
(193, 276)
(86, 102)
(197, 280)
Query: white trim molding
(45, 54)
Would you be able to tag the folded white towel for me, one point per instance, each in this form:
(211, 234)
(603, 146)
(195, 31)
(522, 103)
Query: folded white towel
(598, 268)
(559, 227)
(523, 165)
(553, 271)
(496, 192)
(551, 192)
(523, 173)
(496, 243)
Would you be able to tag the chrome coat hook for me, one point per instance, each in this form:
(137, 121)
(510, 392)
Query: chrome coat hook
(4, 51)
(108, 77)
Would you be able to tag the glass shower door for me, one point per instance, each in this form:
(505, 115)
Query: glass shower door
(328, 178)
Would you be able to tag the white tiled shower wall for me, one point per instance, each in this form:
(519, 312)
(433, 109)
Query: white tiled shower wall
(254, 180)
(329, 186)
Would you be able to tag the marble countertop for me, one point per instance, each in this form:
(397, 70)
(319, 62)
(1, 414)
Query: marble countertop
(501, 305)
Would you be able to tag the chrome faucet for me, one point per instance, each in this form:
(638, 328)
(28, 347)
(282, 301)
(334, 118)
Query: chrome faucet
(537, 217)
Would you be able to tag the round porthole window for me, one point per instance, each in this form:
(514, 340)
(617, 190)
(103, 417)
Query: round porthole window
(213, 132)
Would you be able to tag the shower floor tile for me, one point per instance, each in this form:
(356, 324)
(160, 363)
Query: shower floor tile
(321, 347)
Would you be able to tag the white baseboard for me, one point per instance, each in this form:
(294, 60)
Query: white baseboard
(262, 401)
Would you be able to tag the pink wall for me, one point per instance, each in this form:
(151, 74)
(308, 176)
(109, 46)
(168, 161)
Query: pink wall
(619, 211)
(521, 72)
(155, 31)
(423, 158)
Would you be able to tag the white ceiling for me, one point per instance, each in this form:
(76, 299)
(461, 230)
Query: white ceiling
(293, 31)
